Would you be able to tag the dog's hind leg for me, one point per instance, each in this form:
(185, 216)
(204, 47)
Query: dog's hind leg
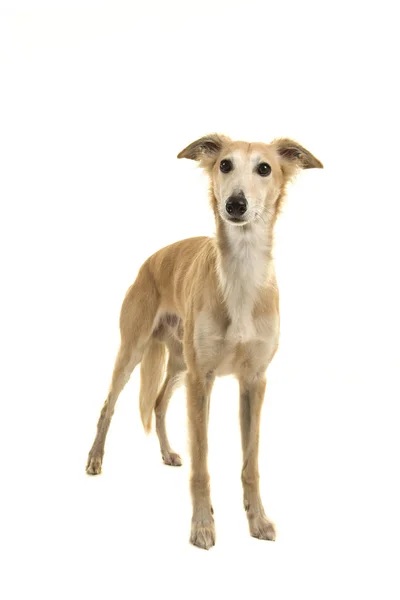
(175, 370)
(168, 455)
(126, 361)
(138, 314)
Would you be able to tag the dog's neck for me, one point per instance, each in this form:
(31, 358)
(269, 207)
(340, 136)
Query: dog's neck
(244, 266)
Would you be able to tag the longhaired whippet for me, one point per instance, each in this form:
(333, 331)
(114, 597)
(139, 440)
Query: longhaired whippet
(213, 304)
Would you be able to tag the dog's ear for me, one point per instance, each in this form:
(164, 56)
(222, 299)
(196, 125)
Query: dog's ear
(293, 156)
(206, 149)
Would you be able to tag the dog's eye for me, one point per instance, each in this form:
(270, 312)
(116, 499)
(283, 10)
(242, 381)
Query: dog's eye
(226, 166)
(264, 169)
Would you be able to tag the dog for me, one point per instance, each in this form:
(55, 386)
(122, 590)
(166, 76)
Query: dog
(212, 306)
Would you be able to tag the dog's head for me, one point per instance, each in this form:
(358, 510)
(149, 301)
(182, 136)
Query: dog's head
(248, 180)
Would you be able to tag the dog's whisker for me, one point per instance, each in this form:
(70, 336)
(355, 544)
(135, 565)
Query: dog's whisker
(261, 217)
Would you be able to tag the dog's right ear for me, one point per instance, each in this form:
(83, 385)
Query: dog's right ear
(205, 150)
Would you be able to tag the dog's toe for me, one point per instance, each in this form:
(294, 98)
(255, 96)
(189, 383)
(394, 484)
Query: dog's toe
(203, 534)
(93, 466)
(262, 528)
(172, 458)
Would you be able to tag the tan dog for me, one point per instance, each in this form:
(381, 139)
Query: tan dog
(214, 305)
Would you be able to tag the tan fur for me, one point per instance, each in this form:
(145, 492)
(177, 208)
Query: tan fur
(151, 378)
(214, 305)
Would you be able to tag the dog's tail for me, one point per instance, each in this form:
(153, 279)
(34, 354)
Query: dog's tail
(152, 370)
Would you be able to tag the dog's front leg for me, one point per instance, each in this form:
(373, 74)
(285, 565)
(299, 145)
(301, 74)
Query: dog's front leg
(198, 399)
(251, 399)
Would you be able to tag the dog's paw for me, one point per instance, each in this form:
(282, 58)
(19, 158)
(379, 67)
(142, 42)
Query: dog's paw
(262, 528)
(172, 458)
(203, 534)
(93, 466)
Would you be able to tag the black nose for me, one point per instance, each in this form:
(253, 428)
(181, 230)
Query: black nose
(236, 206)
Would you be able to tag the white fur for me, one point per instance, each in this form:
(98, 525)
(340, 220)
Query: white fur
(244, 272)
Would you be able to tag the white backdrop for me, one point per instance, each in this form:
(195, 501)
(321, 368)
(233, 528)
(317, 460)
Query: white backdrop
(96, 100)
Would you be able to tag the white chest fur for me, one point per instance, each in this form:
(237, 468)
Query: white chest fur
(243, 270)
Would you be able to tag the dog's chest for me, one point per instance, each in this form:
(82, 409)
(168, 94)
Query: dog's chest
(226, 346)
(242, 275)
(223, 350)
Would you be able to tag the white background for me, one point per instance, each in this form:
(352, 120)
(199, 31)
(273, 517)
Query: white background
(95, 103)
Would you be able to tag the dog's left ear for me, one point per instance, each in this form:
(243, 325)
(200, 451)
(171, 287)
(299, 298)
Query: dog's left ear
(205, 149)
(294, 156)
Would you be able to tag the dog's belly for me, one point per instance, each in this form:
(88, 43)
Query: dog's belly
(169, 324)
